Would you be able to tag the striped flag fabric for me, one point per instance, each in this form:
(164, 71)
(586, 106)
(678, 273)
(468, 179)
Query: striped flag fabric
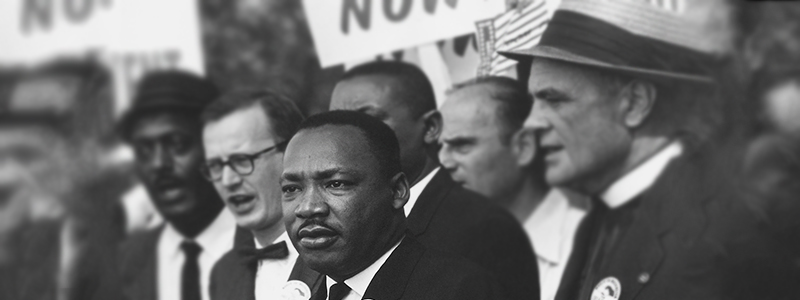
(516, 29)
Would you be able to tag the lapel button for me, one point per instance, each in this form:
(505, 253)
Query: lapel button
(644, 277)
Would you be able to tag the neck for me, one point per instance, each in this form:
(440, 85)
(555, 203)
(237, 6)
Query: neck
(196, 222)
(267, 236)
(527, 199)
(642, 148)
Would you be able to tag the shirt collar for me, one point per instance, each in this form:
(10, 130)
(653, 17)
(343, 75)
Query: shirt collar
(417, 189)
(210, 239)
(544, 225)
(360, 282)
(640, 178)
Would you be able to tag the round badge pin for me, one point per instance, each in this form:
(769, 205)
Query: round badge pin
(607, 289)
(295, 290)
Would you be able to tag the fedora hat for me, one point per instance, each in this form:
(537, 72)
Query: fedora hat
(634, 37)
(173, 90)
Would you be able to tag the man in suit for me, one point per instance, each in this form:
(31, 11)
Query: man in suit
(343, 197)
(244, 135)
(163, 126)
(441, 214)
(486, 148)
(621, 104)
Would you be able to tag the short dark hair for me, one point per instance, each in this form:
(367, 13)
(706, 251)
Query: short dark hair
(514, 103)
(282, 112)
(379, 136)
(414, 88)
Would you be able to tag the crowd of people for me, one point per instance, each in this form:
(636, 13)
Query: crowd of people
(604, 171)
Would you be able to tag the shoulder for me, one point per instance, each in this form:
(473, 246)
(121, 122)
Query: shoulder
(443, 276)
(138, 247)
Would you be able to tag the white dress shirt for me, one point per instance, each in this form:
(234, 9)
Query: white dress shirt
(640, 178)
(360, 282)
(273, 274)
(215, 240)
(417, 189)
(551, 228)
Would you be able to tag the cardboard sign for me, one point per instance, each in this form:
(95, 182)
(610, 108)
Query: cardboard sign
(353, 30)
(130, 36)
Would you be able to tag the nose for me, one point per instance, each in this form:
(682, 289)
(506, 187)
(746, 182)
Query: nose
(536, 119)
(161, 159)
(446, 158)
(230, 179)
(311, 205)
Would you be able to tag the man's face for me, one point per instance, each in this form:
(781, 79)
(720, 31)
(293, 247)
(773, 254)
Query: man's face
(255, 198)
(337, 204)
(169, 153)
(582, 132)
(373, 95)
(475, 149)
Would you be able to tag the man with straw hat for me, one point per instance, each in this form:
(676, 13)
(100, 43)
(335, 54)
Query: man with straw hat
(623, 108)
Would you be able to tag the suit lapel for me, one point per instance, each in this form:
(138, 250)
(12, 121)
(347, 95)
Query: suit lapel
(673, 203)
(429, 201)
(391, 280)
(143, 274)
(313, 279)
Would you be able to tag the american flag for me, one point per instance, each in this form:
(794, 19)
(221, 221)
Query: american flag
(519, 28)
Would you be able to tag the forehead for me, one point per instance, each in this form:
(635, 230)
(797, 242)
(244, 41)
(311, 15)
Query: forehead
(562, 76)
(469, 109)
(362, 91)
(328, 147)
(245, 126)
(155, 124)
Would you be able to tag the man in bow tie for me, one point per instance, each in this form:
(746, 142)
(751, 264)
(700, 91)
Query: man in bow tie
(245, 134)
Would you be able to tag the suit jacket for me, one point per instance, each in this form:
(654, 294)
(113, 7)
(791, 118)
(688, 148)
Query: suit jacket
(450, 219)
(137, 265)
(414, 272)
(234, 275)
(691, 237)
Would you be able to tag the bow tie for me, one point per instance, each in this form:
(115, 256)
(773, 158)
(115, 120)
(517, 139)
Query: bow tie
(274, 251)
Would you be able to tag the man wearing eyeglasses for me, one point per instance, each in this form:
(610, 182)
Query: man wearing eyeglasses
(245, 134)
(163, 126)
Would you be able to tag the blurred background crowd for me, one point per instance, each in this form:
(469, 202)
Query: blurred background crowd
(68, 192)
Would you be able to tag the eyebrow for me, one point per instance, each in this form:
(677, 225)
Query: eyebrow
(316, 175)
(549, 93)
(459, 140)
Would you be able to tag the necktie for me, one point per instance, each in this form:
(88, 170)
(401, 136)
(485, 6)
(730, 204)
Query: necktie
(190, 279)
(338, 291)
(274, 251)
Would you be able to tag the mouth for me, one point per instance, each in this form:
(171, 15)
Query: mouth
(317, 237)
(241, 204)
(169, 189)
(547, 150)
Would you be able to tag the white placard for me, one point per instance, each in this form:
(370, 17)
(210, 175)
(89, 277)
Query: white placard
(352, 30)
(130, 36)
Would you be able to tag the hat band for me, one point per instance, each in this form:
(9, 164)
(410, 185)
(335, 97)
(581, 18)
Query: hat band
(596, 39)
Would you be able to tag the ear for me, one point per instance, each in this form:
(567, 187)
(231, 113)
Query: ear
(523, 146)
(638, 102)
(400, 190)
(433, 126)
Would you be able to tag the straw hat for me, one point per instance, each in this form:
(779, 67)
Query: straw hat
(636, 37)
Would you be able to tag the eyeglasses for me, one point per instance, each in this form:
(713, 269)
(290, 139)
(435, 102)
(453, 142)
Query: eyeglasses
(242, 164)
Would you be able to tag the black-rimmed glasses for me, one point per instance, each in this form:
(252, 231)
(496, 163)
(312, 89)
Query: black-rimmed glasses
(242, 164)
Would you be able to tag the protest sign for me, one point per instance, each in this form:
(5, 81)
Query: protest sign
(130, 36)
(351, 30)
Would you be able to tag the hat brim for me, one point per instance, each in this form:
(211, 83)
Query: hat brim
(550, 52)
